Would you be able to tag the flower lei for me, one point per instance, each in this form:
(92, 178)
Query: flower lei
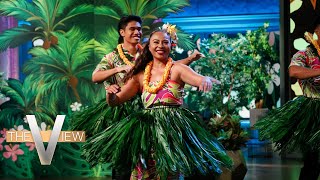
(310, 39)
(147, 76)
(123, 57)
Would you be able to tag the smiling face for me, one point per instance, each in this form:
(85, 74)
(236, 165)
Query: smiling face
(132, 32)
(160, 45)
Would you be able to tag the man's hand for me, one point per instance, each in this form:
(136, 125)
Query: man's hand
(113, 89)
(196, 55)
(125, 68)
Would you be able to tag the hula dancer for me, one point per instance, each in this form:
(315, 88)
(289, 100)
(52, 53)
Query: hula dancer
(296, 124)
(163, 140)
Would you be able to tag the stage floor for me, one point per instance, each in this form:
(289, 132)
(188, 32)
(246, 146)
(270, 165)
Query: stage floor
(272, 166)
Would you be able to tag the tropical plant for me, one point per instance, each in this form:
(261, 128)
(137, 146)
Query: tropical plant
(21, 103)
(242, 64)
(228, 131)
(43, 19)
(63, 73)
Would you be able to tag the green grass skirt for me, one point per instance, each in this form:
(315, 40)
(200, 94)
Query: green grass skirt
(172, 136)
(98, 117)
(293, 126)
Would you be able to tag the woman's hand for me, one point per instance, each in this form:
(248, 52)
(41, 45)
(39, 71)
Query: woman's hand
(117, 95)
(215, 81)
(206, 83)
(113, 89)
(111, 96)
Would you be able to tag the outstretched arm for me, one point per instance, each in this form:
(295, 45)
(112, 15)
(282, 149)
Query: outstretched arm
(117, 95)
(195, 56)
(300, 72)
(188, 76)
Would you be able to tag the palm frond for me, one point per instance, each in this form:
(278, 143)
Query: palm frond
(10, 117)
(184, 41)
(16, 85)
(19, 9)
(105, 44)
(13, 91)
(107, 11)
(45, 9)
(99, 50)
(81, 9)
(15, 36)
(37, 65)
(161, 8)
(38, 51)
(139, 7)
(43, 117)
(29, 94)
(81, 58)
(86, 89)
(10, 104)
(21, 103)
(62, 5)
(123, 5)
(51, 88)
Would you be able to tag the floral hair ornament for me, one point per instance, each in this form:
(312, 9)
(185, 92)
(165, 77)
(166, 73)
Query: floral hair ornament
(172, 31)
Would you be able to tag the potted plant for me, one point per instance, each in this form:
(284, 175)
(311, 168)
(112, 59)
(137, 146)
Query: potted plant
(228, 131)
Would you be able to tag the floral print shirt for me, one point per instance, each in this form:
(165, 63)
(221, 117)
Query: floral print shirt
(308, 58)
(113, 60)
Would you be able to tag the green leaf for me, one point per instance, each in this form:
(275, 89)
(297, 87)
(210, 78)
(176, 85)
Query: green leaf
(14, 37)
(33, 18)
(107, 11)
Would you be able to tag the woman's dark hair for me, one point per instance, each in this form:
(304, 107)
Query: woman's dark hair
(124, 22)
(143, 59)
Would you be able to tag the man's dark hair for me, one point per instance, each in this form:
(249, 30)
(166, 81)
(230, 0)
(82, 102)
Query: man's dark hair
(124, 22)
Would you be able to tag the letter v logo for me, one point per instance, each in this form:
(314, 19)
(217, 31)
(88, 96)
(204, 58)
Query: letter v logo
(45, 156)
